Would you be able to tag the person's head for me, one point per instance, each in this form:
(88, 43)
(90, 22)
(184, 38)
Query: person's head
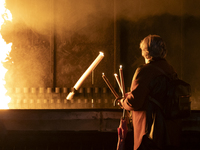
(152, 47)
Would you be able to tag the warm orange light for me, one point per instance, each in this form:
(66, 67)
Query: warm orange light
(5, 50)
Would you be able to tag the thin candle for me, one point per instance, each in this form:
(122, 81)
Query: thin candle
(118, 81)
(110, 86)
(122, 80)
(123, 88)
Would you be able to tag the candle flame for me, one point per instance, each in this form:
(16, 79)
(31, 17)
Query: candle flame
(120, 66)
(5, 15)
(101, 53)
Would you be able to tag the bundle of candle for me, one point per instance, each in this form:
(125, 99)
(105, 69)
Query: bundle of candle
(120, 84)
(110, 86)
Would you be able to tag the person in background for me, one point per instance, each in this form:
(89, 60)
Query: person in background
(151, 130)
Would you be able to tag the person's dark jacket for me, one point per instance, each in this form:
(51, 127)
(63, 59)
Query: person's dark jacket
(147, 118)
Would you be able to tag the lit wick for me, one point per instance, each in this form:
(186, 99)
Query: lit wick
(110, 86)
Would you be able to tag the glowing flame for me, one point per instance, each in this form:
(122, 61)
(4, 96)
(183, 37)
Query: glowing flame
(5, 49)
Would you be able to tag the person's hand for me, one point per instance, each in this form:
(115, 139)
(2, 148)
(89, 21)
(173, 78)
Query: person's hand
(117, 101)
(120, 102)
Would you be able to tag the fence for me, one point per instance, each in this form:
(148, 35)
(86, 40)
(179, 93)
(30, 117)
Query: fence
(55, 98)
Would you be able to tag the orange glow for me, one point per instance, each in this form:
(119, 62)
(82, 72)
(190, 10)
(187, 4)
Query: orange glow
(4, 52)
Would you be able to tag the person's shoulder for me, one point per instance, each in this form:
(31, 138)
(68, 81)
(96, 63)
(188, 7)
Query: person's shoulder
(144, 68)
(141, 67)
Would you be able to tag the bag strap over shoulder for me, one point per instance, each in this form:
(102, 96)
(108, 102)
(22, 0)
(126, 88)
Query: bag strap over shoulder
(161, 70)
(156, 102)
(151, 98)
(171, 77)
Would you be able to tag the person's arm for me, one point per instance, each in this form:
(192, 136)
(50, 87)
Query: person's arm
(134, 99)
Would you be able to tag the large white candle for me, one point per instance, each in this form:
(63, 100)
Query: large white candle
(89, 70)
(86, 73)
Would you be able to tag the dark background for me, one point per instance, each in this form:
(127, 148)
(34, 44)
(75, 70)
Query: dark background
(55, 41)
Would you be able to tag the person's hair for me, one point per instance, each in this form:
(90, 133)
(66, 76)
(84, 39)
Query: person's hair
(153, 46)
